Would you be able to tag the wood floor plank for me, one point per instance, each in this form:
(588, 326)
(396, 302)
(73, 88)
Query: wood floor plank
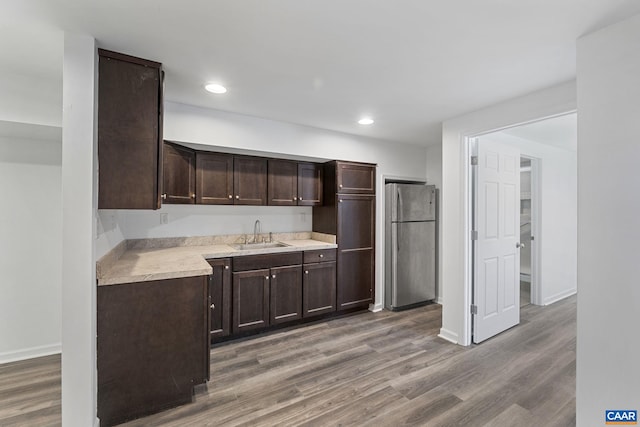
(367, 369)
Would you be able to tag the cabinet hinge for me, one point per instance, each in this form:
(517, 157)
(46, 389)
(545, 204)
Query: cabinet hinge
(474, 309)
(474, 234)
(474, 160)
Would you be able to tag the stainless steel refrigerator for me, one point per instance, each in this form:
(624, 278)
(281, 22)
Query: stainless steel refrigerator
(410, 240)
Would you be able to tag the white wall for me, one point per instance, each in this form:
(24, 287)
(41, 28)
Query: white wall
(79, 207)
(434, 177)
(557, 236)
(221, 129)
(30, 244)
(608, 68)
(455, 231)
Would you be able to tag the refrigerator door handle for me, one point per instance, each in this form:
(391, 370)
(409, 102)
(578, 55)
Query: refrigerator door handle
(399, 204)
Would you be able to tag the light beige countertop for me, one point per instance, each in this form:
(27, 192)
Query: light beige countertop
(156, 259)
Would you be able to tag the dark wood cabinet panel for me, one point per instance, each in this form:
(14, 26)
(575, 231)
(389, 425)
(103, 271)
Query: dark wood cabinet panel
(220, 294)
(356, 219)
(129, 132)
(319, 289)
(283, 183)
(356, 278)
(179, 175)
(310, 184)
(255, 262)
(250, 300)
(214, 178)
(152, 346)
(321, 255)
(349, 212)
(356, 178)
(286, 294)
(250, 180)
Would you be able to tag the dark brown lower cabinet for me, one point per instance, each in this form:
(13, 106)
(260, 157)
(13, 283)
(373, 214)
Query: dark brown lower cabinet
(220, 298)
(250, 300)
(319, 288)
(152, 345)
(356, 278)
(285, 294)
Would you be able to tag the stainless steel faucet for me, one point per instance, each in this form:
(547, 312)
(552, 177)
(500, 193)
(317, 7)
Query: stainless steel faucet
(257, 229)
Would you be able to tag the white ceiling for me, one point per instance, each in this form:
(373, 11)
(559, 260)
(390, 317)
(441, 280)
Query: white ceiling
(410, 64)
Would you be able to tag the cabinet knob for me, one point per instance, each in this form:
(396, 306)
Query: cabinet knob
(306, 272)
(213, 306)
(193, 196)
(164, 196)
(340, 200)
(226, 267)
(273, 276)
(230, 196)
(266, 277)
(340, 186)
(321, 256)
(299, 198)
(295, 198)
(237, 196)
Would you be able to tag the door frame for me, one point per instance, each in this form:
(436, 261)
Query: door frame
(536, 229)
(466, 140)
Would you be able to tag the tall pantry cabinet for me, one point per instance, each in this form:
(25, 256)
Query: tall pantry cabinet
(349, 212)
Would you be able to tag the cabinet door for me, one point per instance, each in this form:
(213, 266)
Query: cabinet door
(179, 175)
(214, 178)
(309, 184)
(319, 289)
(250, 180)
(220, 294)
(283, 183)
(129, 132)
(356, 178)
(356, 250)
(250, 300)
(152, 346)
(286, 294)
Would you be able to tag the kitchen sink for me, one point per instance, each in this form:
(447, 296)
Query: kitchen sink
(264, 245)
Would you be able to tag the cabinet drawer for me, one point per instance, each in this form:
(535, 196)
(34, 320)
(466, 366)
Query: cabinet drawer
(256, 262)
(320, 255)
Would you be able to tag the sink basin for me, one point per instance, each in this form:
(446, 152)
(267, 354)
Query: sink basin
(249, 246)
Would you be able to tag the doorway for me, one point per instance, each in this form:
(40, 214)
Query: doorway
(499, 285)
(525, 232)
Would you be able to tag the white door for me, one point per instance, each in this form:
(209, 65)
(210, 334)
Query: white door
(496, 290)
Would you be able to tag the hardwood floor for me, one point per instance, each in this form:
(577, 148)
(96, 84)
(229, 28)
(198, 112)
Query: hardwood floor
(371, 369)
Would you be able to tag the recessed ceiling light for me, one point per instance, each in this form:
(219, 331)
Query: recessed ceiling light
(215, 88)
(365, 121)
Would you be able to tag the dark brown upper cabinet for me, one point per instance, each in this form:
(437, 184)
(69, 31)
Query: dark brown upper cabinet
(283, 183)
(179, 175)
(355, 178)
(294, 184)
(250, 180)
(310, 184)
(214, 178)
(129, 132)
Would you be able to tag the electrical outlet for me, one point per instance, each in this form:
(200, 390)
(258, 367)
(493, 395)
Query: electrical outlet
(164, 218)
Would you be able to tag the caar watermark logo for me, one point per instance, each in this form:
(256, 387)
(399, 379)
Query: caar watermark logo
(620, 417)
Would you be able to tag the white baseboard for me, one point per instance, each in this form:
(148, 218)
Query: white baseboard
(439, 300)
(30, 353)
(445, 334)
(374, 308)
(562, 295)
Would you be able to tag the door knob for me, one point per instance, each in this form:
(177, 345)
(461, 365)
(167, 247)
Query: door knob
(520, 245)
